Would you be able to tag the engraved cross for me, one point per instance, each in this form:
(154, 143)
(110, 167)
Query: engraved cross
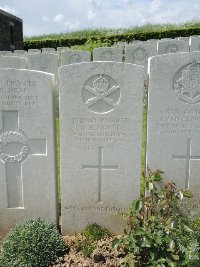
(15, 148)
(100, 167)
(188, 158)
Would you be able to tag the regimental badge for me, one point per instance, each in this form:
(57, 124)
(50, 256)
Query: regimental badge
(101, 93)
(187, 83)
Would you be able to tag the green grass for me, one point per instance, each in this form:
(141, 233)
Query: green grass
(106, 32)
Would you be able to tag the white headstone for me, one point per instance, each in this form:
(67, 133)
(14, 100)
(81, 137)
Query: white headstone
(27, 148)
(3, 53)
(100, 120)
(34, 51)
(75, 56)
(43, 62)
(139, 53)
(172, 46)
(13, 62)
(48, 50)
(173, 133)
(194, 43)
(107, 54)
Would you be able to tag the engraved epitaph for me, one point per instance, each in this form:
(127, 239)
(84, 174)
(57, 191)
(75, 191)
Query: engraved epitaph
(100, 167)
(15, 147)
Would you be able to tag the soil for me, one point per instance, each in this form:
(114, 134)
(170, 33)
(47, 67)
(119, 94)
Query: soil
(103, 255)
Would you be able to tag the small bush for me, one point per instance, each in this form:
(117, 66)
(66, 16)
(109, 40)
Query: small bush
(95, 232)
(33, 243)
(87, 241)
(159, 232)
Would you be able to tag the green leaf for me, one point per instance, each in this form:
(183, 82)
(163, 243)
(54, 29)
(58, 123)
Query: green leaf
(138, 205)
(176, 257)
(115, 243)
(187, 193)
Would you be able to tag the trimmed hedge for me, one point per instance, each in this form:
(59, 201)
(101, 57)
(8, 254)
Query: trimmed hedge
(143, 36)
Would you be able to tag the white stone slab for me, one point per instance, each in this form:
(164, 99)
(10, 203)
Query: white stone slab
(48, 50)
(34, 51)
(75, 56)
(27, 148)
(22, 52)
(173, 134)
(101, 134)
(139, 53)
(107, 54)
(172, 46)
(3, 53)
(13, 62)
(43, 62)
(194, 43)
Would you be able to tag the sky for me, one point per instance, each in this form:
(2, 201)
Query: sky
(56, 16)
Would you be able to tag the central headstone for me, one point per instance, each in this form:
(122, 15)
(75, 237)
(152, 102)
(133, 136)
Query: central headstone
(27, 147)
(173, 132)
(101, 129)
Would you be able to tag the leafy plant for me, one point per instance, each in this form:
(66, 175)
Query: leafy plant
(95, 232)
(159, 233)
(86, 242)
(33, 243)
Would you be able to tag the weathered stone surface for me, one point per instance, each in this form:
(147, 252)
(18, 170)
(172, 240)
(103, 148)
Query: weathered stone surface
(172, 46)
(34, 51)
(140, 52)
(107, 54)
(48, 50)
(194, 43)
(27, 147)
(74, 56)
(44, 62)
(173, 142)
(100, 129)
(11, 61)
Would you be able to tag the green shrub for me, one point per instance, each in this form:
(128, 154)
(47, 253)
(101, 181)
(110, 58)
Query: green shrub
(87, 241)
(159, 231)
(109, 39)
(35, 243)
(95, 232)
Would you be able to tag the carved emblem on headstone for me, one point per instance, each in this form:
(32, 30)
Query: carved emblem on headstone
(139, 54)
(75, 59)
(108, 56)
(172, 48)
(15, 139)
(187, 83)
(101, 93)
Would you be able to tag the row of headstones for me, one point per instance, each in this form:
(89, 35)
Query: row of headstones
(101, 110)
(138, 53)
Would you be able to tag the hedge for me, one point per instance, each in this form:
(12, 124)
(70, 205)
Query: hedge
(143, 36)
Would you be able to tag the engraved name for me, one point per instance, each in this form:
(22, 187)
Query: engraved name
(107, 130)
(177, 121)
(17, 93)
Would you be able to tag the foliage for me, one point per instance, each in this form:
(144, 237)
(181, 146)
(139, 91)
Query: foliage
(33, 243)
(95, 232)
(91, 39)
(87, 241)
(159, 233)
(108, 32)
